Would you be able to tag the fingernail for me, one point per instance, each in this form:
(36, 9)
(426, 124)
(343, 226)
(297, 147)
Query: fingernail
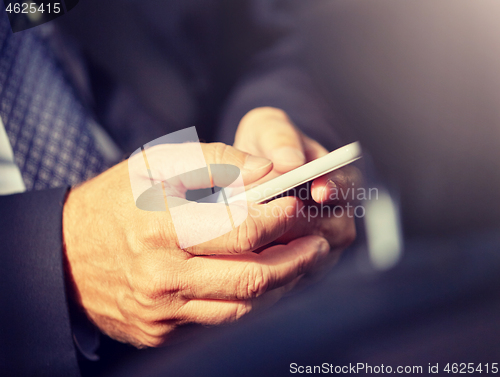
(327, 190)
(288, 156)
(256, 163)
(323, 251)
(324, 194)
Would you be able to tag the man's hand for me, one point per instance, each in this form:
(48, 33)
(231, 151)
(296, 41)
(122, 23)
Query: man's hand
(137, 285)
(268, 132)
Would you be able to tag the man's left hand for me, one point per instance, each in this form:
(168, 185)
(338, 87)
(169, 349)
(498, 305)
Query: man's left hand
(268, 132)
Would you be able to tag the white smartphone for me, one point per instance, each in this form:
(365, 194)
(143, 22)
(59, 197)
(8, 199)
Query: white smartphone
(305, 173)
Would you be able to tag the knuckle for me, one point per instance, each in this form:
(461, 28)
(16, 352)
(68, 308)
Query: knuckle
(146, 299)
(158, 232)
(255, 283)
(151, 280)
(150, 316)
(140, 279)
(284, 223)
(149, 235)
(219, 152)
(245, 237)
(142, 297)
(140, 309)
(153, 334)
(150, 294)
(148, 285)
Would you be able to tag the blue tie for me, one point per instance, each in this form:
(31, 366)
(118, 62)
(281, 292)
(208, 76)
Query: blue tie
(47, 125)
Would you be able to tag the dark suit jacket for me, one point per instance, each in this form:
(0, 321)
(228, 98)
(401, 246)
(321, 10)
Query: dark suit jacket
(35, 329)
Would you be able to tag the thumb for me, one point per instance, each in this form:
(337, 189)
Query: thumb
(222, 159)
(269, 132)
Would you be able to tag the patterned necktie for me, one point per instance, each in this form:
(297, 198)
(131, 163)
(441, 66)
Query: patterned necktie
(47, 125)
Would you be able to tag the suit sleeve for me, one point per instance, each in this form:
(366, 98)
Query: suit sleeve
(273, 75)
(35, 326)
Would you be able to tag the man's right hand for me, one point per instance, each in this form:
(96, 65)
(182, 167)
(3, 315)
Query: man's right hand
(137, 285)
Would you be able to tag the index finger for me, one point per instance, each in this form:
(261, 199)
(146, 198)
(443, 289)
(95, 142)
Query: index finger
(260, 224)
